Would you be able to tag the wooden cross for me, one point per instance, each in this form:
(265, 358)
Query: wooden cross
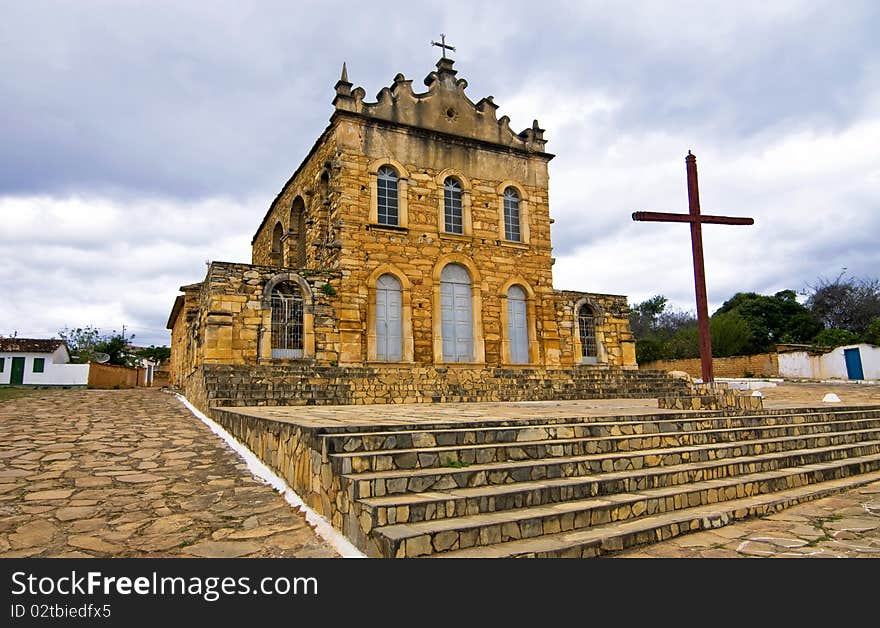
(443, 44)
(696, 221)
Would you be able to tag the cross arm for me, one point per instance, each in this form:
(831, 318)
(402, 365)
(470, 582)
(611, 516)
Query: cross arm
(670, 217)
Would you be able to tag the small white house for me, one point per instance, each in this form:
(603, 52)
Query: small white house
(853, 362)
(39, 362)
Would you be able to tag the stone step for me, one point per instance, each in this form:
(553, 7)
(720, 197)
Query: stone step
(381, 483)
(605, 539)
(539, 429)
(555, 436)
(614, 448)
(426, 506)
(427, 537)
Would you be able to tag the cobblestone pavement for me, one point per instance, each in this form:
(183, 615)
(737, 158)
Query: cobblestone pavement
(841, 526)
(795, 394)
(132, 473)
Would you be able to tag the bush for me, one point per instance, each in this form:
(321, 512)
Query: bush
(873, 333)
(836, 338)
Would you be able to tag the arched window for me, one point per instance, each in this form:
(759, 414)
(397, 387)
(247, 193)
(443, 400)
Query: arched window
(587, 331)
(387, 196)
(455, 314)
(389, 329)
(277, 234)
(287, 321)
(517, 325)
(454, 217)
(512, 227)
(297, 233)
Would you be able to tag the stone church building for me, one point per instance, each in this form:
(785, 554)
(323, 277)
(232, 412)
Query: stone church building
(408, 258)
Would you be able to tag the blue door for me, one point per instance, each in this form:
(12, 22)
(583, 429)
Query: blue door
(853, 363)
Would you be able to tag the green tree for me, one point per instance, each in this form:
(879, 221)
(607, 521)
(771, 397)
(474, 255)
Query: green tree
(772, 319)
(154, 353)
(836, 338)
(81, 343)
(731, 334)
(116, 346)
(84, 343)
(873, 335)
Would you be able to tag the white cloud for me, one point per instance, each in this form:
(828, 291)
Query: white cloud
(111, 262)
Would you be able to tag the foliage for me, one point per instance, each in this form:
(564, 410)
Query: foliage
(661, 331)
(873, 335)
(771, 320)
(154, 353)
(327, 289)
(748, 323)
(86, 342)
(731, 334)
(845, 303)
(836, 338)
(644, 316)
(81, 343)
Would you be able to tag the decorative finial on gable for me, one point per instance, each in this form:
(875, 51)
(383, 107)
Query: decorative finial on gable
(344, 98)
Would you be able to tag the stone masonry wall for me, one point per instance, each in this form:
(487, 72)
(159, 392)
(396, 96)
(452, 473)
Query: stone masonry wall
(291, 384)
(316, 193)
(761, 365)
(234, 320)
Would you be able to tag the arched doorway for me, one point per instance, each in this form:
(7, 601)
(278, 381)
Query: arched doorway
(517, 325)
(389, 328)
(455, 314)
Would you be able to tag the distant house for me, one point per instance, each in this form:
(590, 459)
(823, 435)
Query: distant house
(854, 362)
(39, 362)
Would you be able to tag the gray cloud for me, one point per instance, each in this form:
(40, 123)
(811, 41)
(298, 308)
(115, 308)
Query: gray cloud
(142, 139)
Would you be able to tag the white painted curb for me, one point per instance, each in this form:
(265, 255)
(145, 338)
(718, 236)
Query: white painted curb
(323, 528)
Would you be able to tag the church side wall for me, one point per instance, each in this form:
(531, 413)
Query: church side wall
(314, 190)
(185, 353)
(615, 340)
(234, 319)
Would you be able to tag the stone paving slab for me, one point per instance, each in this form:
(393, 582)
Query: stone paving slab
(133, 473)
(842, 526)
(784, 396)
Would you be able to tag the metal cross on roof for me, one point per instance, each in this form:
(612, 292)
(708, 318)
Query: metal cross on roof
(443, 44)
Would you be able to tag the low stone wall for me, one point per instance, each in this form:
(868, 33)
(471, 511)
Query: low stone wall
(107, 376)
(239, 385)
(706, 398)
(760, 365)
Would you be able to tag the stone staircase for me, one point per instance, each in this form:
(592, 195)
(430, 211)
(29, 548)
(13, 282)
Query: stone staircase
(581, 487)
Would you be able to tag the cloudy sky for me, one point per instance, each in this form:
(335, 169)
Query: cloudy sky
(140, 139)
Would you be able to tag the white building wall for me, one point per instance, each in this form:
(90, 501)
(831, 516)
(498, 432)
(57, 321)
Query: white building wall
(54, 374)
(796, 365)
(831, 365)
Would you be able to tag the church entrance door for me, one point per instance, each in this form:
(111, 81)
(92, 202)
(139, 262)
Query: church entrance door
(516, 325)
(389, 346)
(455, 312)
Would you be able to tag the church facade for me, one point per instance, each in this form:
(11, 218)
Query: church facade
(413, 238)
